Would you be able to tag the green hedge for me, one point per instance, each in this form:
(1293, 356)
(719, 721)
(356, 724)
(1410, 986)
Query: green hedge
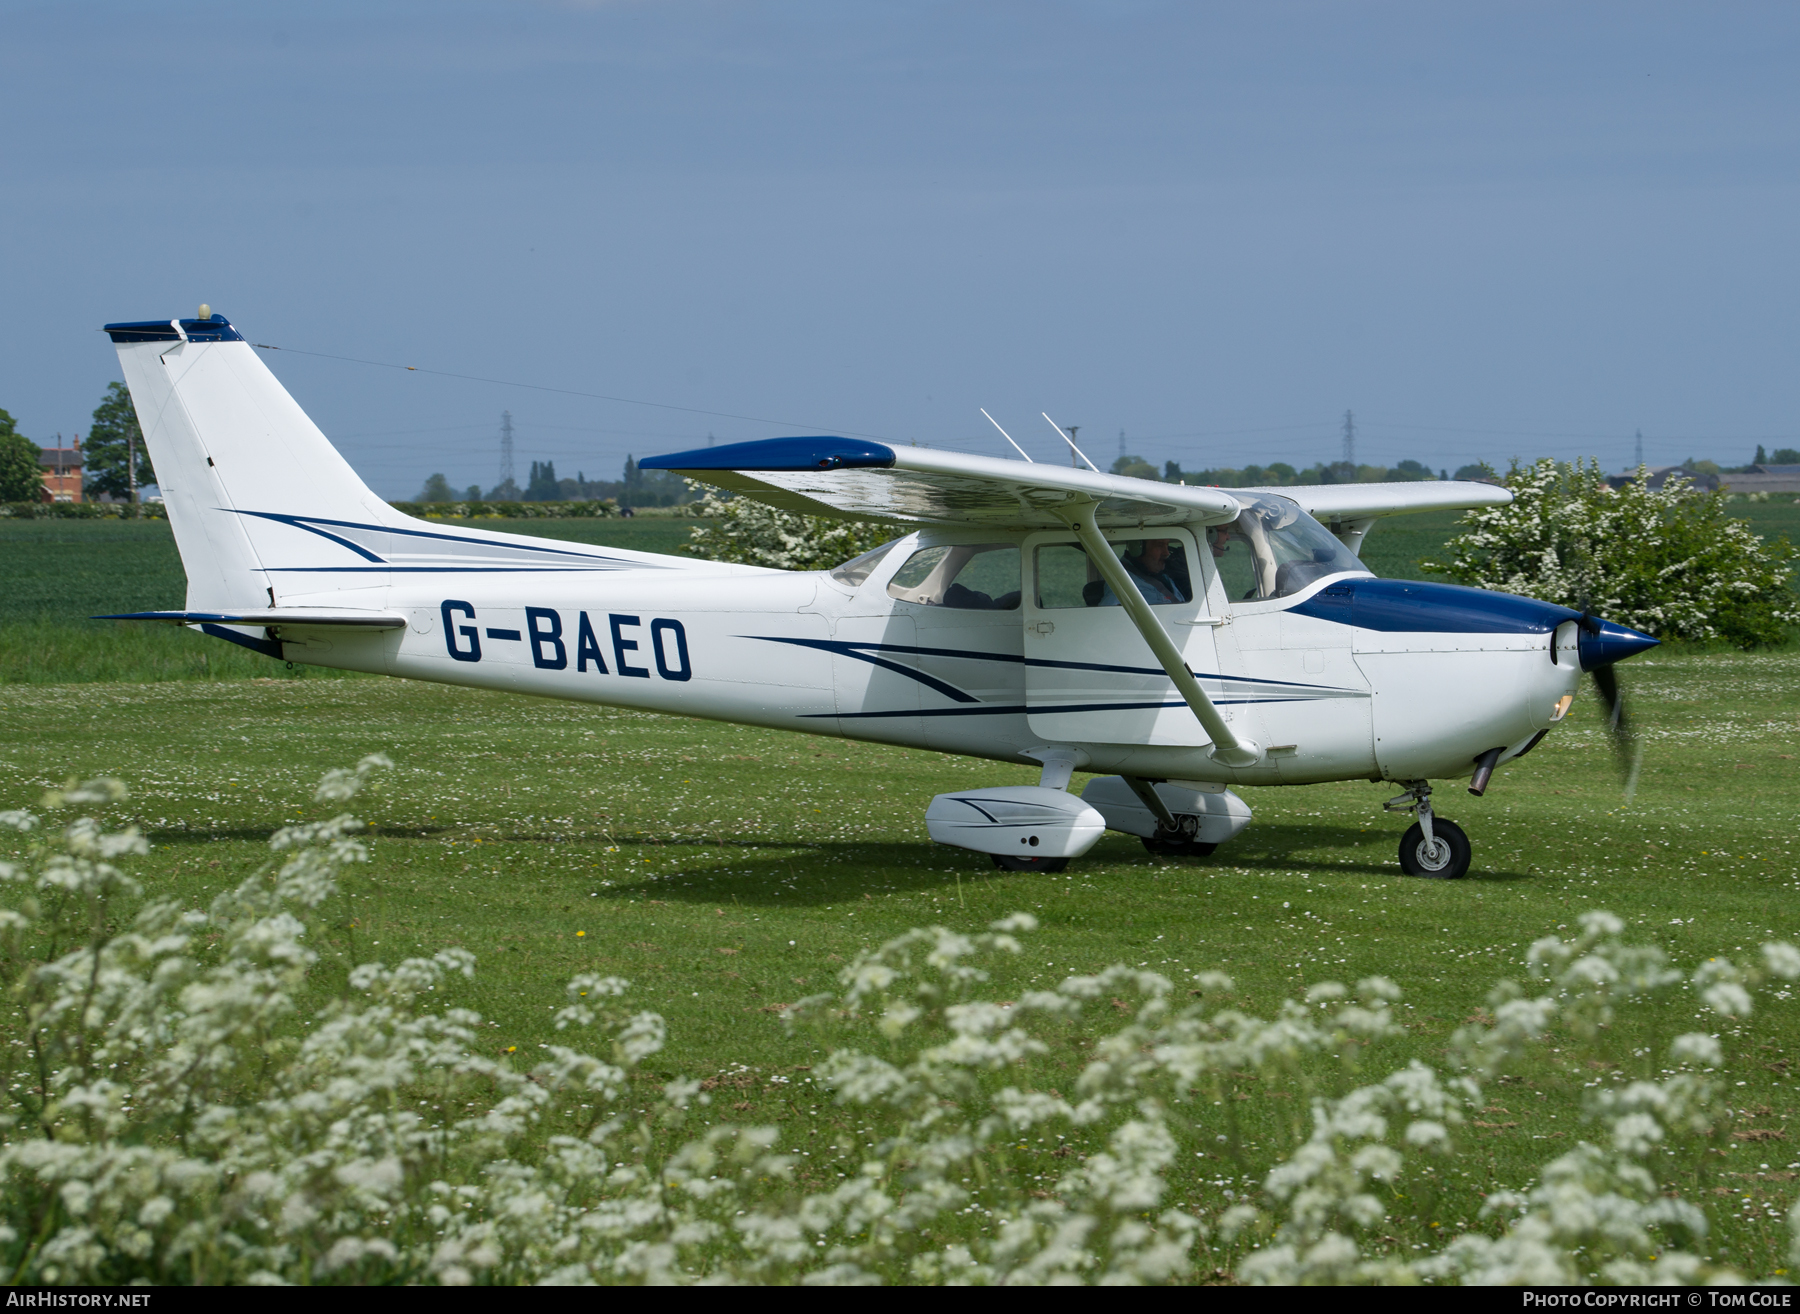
(82, 510)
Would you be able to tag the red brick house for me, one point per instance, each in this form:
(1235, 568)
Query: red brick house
(62, 471)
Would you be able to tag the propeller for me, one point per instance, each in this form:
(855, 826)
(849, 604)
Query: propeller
(1603, 645)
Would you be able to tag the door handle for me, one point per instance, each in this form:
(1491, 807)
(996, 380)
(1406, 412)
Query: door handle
(1042, 627)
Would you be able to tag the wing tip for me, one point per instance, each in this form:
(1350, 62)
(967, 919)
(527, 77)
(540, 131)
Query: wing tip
(825, 452)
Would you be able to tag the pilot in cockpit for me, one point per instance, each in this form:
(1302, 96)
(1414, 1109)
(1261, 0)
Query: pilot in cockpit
(1154, 574)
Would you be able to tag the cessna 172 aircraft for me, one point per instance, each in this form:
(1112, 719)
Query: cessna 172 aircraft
(1176, 641)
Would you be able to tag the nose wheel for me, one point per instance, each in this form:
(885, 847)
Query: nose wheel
(1444, 857)
(1431, 847)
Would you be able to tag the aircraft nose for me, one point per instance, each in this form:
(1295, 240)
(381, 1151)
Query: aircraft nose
(1603, 643)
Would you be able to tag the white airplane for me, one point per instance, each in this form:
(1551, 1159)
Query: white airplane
(1181, 640)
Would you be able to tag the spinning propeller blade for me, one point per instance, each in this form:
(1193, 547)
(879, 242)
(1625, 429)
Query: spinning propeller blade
(1604, 645)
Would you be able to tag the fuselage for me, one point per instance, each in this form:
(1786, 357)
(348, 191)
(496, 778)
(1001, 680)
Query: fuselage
(1348, 677)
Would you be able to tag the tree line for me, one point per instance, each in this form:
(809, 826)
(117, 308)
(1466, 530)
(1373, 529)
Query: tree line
(112, 433)
(1278, 473)
(634, 487)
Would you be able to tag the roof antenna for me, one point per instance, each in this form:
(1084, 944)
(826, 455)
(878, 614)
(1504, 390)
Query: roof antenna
(1063, 434)
(1004, 434)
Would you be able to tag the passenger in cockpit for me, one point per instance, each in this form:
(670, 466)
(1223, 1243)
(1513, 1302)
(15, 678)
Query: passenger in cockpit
(1151, 570)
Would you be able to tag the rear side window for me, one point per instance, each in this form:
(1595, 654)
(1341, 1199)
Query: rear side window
(969, 577)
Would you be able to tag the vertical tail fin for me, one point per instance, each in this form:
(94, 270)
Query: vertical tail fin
(251, 485)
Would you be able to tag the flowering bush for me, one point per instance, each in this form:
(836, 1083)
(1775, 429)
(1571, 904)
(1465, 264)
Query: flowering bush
(750, 533)
(177, 1115)
(1666, 561)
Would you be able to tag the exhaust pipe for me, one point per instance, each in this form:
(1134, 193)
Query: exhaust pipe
(1484, 771)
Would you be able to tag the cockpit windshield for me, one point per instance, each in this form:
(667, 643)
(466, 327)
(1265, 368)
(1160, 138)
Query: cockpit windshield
(1274, 548)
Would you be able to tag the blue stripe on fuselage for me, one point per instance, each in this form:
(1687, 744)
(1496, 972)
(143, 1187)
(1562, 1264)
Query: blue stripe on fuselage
(867, 651)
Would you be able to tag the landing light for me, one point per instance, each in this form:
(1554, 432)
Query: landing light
(1561, 709)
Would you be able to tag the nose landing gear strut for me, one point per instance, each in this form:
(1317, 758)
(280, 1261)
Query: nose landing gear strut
(1431, 847)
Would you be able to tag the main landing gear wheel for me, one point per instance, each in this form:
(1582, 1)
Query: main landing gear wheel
(1165, 845)
(1447, 860)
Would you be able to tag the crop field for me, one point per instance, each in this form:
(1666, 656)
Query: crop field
(726, 870)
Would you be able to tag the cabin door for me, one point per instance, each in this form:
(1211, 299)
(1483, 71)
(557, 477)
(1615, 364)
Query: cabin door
(1089, 675)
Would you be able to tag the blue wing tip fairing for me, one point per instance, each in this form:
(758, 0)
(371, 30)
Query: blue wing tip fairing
(821, 453)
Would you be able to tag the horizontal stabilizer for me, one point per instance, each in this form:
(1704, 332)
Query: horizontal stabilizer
(277, 616)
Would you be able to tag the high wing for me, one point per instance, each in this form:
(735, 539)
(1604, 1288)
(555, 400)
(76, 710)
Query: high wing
(1351, 502)
(850, 479)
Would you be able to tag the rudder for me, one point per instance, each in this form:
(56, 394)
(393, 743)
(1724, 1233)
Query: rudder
(239, 465)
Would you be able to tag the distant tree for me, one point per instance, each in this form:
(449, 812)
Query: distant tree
(1134, 467)
(1760, 459)
(542, 486)
(1172, 472)
(472, 493)
(1785, 456)
(504, 491)
(437, 489)
(645, 488)
(110, 438)
(21, 477)
(1338, 472)
(1409, 471)
(1479, 470)
(1701, 467)
(1272, 475)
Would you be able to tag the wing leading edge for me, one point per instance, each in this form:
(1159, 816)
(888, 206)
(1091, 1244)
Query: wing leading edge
(1346, 502)
(850, 479)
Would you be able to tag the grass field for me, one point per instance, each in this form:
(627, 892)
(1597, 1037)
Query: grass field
(726, 870)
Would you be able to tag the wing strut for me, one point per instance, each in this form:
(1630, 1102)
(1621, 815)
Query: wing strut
(1228, 749)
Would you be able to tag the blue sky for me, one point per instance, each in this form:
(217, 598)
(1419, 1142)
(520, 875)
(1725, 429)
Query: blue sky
(1491, 230)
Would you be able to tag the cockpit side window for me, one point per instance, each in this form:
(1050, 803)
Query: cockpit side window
(967, 577)
(1157, 566)
(1274, 549)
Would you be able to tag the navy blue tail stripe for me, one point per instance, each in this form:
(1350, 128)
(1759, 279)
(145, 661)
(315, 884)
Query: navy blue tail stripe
(267, 647)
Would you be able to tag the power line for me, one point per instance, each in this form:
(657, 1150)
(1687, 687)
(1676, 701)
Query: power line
(568, 392)
(1349, 440)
